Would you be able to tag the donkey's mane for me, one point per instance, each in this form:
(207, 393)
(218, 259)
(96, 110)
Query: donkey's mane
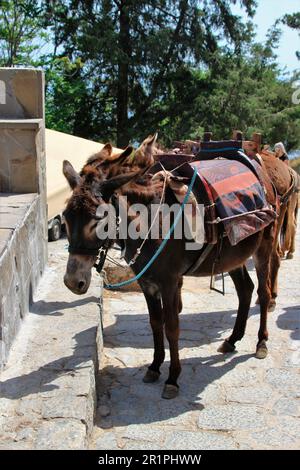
(85, 197)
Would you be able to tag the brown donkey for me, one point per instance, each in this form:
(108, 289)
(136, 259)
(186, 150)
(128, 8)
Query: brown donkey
(106, 178)
(287, 185)
(289, 226)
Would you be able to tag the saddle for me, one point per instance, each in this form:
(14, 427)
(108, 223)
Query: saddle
(230, 186)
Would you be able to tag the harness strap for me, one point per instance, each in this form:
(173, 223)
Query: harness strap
(83, 251)
(204, 254)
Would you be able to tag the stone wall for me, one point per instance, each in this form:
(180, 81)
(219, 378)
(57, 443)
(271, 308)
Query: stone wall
(23, 209)
(22, 262)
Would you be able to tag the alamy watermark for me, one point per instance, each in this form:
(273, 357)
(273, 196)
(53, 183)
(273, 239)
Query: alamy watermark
(139, 221)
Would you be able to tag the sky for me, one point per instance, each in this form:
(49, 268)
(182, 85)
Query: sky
(267, 12)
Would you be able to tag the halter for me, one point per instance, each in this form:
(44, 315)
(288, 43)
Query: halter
(101, 252)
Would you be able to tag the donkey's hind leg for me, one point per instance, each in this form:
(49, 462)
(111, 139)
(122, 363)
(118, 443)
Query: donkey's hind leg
(170, 308)
(262, 261)
(244, 288)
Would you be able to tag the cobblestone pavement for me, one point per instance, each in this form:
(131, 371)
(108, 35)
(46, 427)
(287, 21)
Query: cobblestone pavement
(226, 402)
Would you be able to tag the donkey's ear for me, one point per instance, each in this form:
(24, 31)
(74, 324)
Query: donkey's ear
(144, 154)
(72, 176)
(119, 158)
(108, 187)
(102, 155)
(149, 143)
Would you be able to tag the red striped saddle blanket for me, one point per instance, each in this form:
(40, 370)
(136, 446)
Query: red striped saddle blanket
(237, 195)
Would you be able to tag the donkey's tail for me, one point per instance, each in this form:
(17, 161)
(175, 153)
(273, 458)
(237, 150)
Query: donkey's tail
(290, 217)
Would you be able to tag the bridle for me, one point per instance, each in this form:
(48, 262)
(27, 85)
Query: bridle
(100, 253)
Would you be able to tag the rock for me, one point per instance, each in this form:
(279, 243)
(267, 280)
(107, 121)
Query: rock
(104, 411)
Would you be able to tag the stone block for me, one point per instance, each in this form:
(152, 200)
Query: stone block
(18, 98)
(18, 165)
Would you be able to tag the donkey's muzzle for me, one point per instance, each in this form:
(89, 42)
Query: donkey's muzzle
(77, 286)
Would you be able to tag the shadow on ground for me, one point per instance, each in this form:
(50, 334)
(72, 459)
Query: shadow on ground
(133, 402)
(290, 320)
(40, 380)
(53, 308)
(196, 329)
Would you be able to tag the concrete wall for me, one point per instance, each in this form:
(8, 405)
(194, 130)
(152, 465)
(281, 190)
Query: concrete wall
(23, 213)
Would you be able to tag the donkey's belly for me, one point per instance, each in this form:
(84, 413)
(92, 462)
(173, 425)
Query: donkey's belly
(231, 257)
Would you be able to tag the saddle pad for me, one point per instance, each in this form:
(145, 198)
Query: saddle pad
(239, 197)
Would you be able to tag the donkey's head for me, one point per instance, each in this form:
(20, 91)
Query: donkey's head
(85, 210)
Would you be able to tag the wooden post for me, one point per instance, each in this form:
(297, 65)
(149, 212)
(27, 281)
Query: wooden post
(207, 136)
(237, 135)
(257, 138)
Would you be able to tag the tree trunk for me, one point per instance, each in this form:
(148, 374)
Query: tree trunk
(123, 71)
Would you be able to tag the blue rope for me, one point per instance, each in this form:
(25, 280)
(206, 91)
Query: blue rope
(164, 242)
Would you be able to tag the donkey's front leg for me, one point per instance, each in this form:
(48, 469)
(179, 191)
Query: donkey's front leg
(170, 308)
(157, 324)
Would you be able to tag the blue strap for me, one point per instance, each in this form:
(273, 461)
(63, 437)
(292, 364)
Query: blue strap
(164, 242)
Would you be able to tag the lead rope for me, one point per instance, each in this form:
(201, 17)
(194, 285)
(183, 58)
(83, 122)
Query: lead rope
(163, 244)
(139, 249)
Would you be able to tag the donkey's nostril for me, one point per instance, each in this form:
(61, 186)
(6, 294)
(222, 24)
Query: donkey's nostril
(81, 285)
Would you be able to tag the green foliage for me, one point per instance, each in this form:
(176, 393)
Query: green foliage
(121, 69)
(20, 32)
(293, 21)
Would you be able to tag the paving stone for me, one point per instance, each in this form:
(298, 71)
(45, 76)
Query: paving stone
(137, 445)
(107, 442)
(199, 441)
(282, 378)
(287, 407)
(231, 417)
(290, 425)
(144, 433)
(274, 439)
(61, 434)
(258, 395)
(64, 405)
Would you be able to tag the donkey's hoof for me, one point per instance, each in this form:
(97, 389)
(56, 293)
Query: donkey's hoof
(226, 347)
(261, 350)
(151, 376)
(290, 256)
(170, 391)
